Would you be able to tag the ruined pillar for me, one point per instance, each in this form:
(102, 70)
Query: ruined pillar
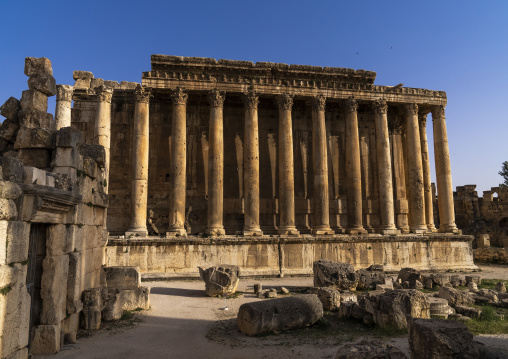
(415, 171)
(140, 163)
(177, 170)
(251, 166)
(427, 186)
(353, 170)
(216, 164)
(321, 222)
(443, 172)
(63, 106)
(102, 134)
(286, 170)
(386, 205)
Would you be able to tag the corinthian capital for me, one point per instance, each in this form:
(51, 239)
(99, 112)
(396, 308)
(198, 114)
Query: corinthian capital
(64, 92)
(422, 119)
(104, 93)
(351, 105)
(251, 100)
(216, 98)
(380, 106)
(411, 109)
(438, 111)
(318, 103)
(179, 96)
(142, 94)
(284, 102)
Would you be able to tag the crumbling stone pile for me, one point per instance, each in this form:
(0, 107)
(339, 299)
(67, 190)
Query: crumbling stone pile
(220, 280)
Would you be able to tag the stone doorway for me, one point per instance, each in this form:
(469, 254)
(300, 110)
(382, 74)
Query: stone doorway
(36, 255)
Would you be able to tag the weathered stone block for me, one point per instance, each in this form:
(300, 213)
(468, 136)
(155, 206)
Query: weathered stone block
(14, 306)
(43, 83)
(370, 348)
(33, 138)
(8, 131)
(482, 240)
(46, 340)
(8, 210)
(54, 288)
(471, 312)
(35, 176)
(13, 241)
(279, 314)
(34, 118)
(122, 277)
(368, 279)
(96, 82)
(135, 298)
(220, 280)
(10, 108)
(35, 157)
(9, 190)
(74, 303)
(18, 354)
(456, 297)
(67, 157)
(12, 169)
(59, 239)
(113, 307)
(41, 65)
(95, 152)
(34, 100)
(80, 75)
(333, 274)
(68, 137)
(329, 297)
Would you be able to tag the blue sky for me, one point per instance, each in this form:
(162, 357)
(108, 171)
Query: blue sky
(460, 47)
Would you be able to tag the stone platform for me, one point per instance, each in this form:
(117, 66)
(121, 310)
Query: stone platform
(281, 255)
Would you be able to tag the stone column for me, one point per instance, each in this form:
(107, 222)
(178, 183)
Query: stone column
(443, 172)
(415, 172)
(63, 106)
(353, 170)
(103, 124)
(216, 164)
(140, 164)
(251, 166)
(177, 170)
(427, 186)
(321, 223)
(386, 205)
(286, 169)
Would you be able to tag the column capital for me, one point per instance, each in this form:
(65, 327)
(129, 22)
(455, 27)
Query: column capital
(179, 96)
(142, 94)
(438, 111)
(64, 92)
(104, 93)
(216, 98)
(422, 118)
(251, 100)
(396, 126)
(411, 109)
(380, 106)
(351, 105)
(284, 102)
(318, 103)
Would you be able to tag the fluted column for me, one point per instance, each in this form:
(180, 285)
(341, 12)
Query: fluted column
(251, 166)
(427, 186)
(415, 171)
(286, 169)
(443, 172)
(140, 163)
(386, 205)
(216, 164)
(321, 222)
(177, 170)
(63, 106)
(353, 170)
(102, 134)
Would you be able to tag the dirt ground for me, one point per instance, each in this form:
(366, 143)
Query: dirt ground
(184, 323)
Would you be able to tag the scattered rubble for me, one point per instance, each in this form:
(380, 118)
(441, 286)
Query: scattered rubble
(220, 280)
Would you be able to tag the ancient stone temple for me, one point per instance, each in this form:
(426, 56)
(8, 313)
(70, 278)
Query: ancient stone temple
(268, 166)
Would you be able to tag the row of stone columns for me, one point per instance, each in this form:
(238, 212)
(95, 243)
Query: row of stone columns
(421, 218)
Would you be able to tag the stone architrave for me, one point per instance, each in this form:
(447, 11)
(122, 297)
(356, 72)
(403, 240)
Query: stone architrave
(353, 170)
(140, 163)
(103, 124)
(251, 166)
(216, 165)
(63, 106)
(415, 172)
(177, 174)
(321, 224)
(427, 186)
(386, 205)
(286, 167)
(443, 172)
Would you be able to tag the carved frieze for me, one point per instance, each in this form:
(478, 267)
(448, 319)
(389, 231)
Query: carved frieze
(380, 106)
(179, 96)
(284, 102)
(104, 93)
(251, 100)
(142, 94)
(216, 98)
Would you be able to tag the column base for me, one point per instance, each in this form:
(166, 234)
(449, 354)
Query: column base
(356, 230)
(322, 231)
(288, 231)
(215, 232)
(388, 231)
(136, 232)
(339, 230)
(254, 232)
(444, 228)
(419, 229)
(432, 229)
(176, 232)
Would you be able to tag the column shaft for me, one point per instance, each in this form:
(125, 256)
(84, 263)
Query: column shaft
(140, 164)
(216, 165)
(353, 170)
(427, 187)
(386, 205)
(321, 222)
(102, 132)
(177, 170)
(443, 172)
(63, 106)
(251, 166)
(415, 171)
(286, 168)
